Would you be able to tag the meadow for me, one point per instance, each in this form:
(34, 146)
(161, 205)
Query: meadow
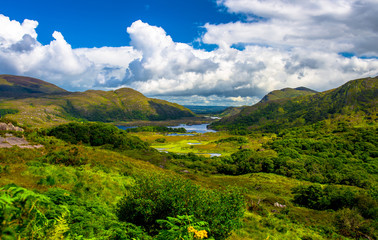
(94, 181)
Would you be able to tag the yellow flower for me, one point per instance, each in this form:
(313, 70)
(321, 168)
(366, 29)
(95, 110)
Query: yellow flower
(197, 234)
(200, 234)
(191, 229)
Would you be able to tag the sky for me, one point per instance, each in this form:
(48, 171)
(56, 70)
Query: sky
(198, 52)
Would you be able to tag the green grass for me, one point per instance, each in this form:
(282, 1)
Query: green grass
(107, 176)
(202, 143)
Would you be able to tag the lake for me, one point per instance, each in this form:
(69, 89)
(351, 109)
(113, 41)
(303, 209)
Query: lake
(199, 128)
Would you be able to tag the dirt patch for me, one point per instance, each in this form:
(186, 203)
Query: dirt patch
(9, 141)
(9, 127)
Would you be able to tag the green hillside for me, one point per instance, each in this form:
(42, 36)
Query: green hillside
(357, 97)
(93, 105)
(287, 93)
(21, 87)
(312, 177)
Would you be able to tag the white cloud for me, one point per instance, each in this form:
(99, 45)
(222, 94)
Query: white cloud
(57, 62)
(334, 25)
(212, 100)
(296, 44)
(12, 31)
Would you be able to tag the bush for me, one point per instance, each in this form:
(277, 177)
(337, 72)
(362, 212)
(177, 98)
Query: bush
(158, 197)
(67, 157)
(335, 198)
(24, 215)
(97, 134)
(349, 221)
(182, 227)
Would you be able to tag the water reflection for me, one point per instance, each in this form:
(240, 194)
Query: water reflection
(199, 128)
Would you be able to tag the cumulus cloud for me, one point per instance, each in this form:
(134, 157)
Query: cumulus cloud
(335, 25)
(253, 71)
(57, 62)
(212, 100)
(284, 44)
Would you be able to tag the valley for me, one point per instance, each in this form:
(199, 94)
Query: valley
(294, 166)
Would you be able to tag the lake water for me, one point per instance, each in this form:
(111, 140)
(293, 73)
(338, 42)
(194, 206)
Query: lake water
(199, 128)
(124, 127)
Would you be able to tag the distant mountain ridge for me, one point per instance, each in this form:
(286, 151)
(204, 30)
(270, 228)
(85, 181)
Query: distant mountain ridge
(39, 102)
(287, 93)
(20, 87)
(354, 97)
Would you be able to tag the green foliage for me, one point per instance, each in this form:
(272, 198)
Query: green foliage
(160, 140)
(332, 197)
(287, 93)
(167, 110)
(159, 129)
(349, 222)
(336, 153)
(97, 134)
(67, 157)
(352, 98)
(239, 140)
(158, 197)
(23, 214)
(182, 227)
(4, 112)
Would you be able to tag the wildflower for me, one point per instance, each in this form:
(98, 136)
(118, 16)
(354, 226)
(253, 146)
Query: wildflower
(200, 234)
(197, 234)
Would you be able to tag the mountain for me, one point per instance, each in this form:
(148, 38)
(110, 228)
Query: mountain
(121, 104)
(20, 87)
(51, 105)
(287, 93)
(206, 109)
(230, 111)
(356, 97)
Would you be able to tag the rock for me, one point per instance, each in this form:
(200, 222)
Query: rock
(10, 127)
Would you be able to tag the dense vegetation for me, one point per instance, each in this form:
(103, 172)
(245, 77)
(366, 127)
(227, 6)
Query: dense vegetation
(80, 183)
(287, 93)
(357, 97)
(160, 129)
(97, 134)
(4, 112)
(293, 180)
(157, 198)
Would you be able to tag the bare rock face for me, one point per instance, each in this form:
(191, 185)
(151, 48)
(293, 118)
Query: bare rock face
(10, 127)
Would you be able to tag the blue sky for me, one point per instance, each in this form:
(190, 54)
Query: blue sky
(99, 23)
(203, 52)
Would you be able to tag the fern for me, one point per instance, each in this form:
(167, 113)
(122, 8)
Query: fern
(22, 213)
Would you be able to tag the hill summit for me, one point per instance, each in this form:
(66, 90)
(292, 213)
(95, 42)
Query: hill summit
(287, 93)
(20, 87)
(356, 97)
(36, 102)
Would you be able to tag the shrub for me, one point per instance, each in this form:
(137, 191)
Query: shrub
(67, 157)
(182, 227)
(23, 214)
(97, 134)
(158, 197)
(349, 221)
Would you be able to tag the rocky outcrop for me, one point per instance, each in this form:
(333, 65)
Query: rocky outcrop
(9, 141)
(10, 127)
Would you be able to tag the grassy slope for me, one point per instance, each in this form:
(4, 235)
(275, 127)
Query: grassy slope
(47, 109)
(287, 93)
(18, 87)
(108, 175)
(357, 97)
